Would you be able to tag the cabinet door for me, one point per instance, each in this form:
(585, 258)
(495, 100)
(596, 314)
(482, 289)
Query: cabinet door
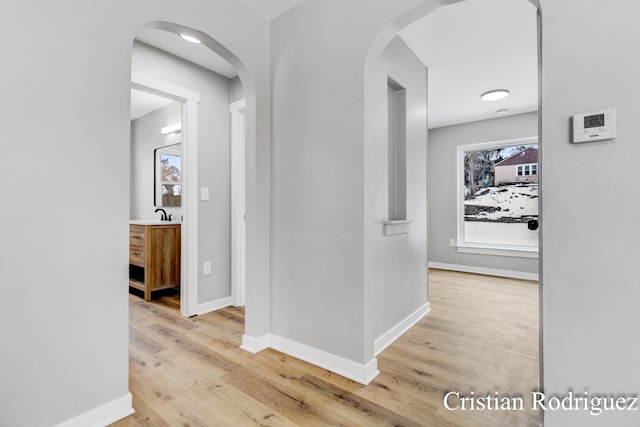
(163, 256)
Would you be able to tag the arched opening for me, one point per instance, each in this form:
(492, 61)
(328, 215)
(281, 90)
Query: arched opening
(375, 82)
(209, 82)
(216, 99)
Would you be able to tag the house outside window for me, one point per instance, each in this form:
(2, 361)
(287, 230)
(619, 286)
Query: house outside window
(498, 198)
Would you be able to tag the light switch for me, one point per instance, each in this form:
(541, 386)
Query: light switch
(206, 268)
(204, 193)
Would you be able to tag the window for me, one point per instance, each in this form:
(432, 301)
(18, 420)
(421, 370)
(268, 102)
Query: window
(498, 197)
(527, 170)
(168, 171)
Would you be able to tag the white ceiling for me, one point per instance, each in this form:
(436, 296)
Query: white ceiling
(470, 47)
(196, 53)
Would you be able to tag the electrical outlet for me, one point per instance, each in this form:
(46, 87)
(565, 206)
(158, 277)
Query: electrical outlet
(452, 242)
(206, 268)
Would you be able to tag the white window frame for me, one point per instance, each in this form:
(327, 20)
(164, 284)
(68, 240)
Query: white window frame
(486, 248)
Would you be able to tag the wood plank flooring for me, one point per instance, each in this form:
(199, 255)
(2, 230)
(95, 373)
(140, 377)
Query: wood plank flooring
(481, 336)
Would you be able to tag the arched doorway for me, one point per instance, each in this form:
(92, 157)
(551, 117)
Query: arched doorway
(373, 84)
(164, 65)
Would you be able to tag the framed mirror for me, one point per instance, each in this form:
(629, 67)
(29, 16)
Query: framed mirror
(168, 176)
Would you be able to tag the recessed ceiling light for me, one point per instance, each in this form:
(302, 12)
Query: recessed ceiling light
(190, 39)
(502, 111)
(494, 95)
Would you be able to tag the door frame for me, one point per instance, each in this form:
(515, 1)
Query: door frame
(189, 228)
(238, 203)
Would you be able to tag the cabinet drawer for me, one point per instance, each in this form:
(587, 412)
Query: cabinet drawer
(136, 256)
(136, 240)
(136, 235)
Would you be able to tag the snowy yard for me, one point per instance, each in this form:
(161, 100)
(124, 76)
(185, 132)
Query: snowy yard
(499, 215)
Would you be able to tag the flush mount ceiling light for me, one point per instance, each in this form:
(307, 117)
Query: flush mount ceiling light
(494, 95)
(190, 39)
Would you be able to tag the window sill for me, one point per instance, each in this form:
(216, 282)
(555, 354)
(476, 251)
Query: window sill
(392, 228)
(512, 251)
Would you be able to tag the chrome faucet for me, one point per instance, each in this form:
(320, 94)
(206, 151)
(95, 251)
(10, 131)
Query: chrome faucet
(164, 216)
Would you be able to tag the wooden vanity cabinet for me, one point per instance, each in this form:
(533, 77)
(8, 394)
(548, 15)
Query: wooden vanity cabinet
(154, 257)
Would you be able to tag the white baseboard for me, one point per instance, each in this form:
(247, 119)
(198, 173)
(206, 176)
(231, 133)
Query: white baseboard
(214, 305)
(386, 339)
(255, 345)
(362, 374)
(485, 271)
(104, 415)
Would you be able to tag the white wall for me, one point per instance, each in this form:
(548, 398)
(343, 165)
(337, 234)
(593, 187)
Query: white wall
(443, 169)
(589, 215)
(145, 138)
(400, 272)
(321, 207)
(317, 181)
(63, 255)
(214, 160)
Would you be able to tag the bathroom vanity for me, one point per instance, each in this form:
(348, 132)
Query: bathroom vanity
(154, 255)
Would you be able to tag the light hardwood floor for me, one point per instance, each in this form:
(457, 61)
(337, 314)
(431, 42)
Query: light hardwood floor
(481, 335)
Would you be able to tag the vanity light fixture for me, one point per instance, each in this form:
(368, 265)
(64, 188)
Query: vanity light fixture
(190, 39)
(174, 128)
(494, 95)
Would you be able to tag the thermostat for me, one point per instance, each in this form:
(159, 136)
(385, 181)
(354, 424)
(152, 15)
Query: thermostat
(594, 126)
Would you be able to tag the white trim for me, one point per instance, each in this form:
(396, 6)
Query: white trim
(214, 305)
(238, 203)
(189, 228)
(518, 252)
(103, 415)
(386, 339)
(160, 87)
(496, 144)
(401, 226)
(486, 271)
(190, 271)
(238, 105)
(362, 374)
(255, 345)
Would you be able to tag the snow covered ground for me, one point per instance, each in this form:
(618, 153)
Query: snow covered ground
(494, 215)
(514, 201)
